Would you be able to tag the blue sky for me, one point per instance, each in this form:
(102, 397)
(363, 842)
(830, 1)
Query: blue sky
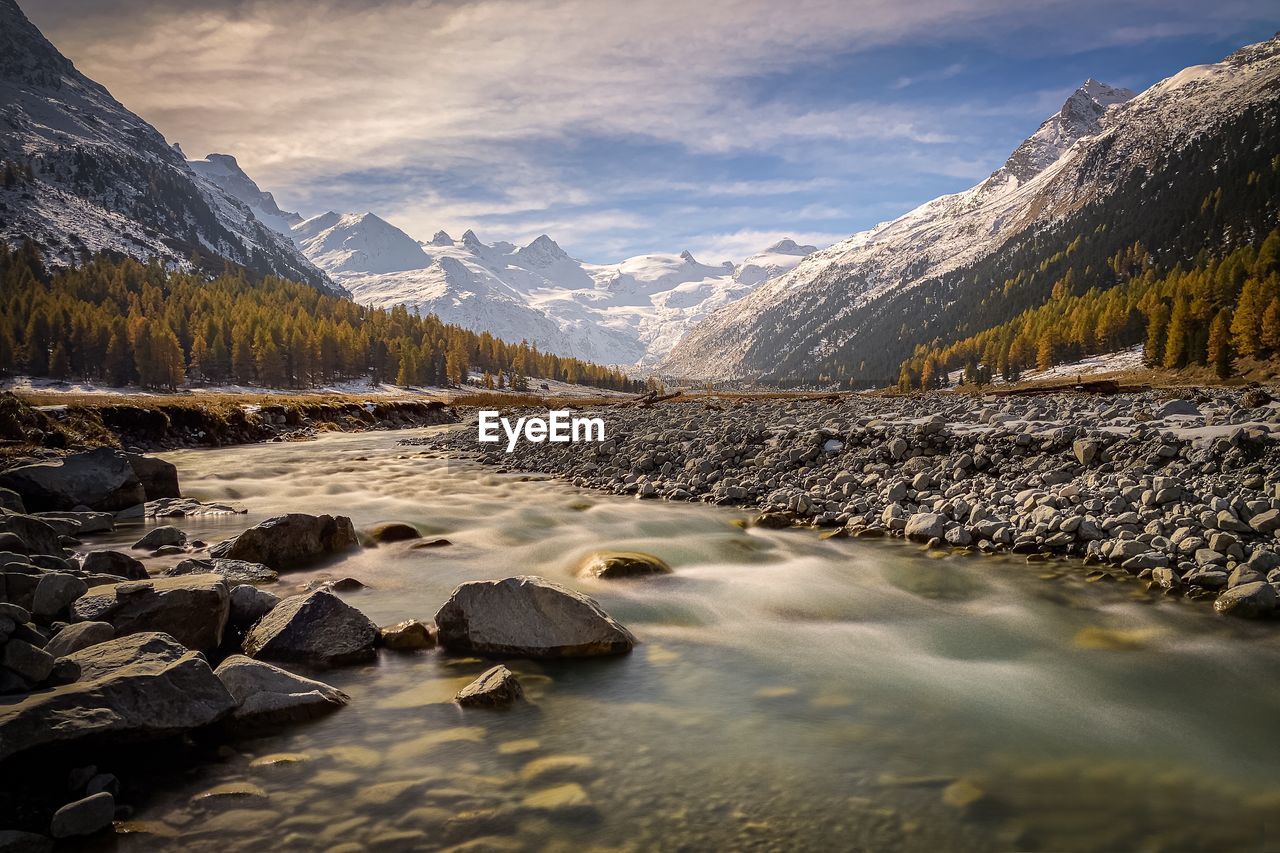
(622, 128)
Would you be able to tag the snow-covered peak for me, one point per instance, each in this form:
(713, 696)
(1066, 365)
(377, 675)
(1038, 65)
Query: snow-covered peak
(442, 238)
(471, 241)
(542, 252)
(223, 171)
(787, 246)
(359, 243)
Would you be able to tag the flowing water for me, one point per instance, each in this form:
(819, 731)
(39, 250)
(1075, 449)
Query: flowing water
(788, 692)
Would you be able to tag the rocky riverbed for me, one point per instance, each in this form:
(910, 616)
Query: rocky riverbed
(1180, 490)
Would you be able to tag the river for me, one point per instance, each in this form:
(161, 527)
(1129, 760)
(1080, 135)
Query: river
(788, 692)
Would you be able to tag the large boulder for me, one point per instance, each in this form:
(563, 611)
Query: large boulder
(158, 537)
(235, 571)
(290, 540)
(159, 478)
(192, 609)
(266, 694)
(115, 563)
(924, 526)
(139, 687)
(1248, 601)
(100, 479)
(77, 636)
(316, 627)
(528, 617)
(36, 535)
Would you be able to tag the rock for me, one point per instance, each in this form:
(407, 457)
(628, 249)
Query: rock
(1248, 601)
(16, 841)
(407, 636)
(391, 531)
(290, 540)
(32, 663)
(158, 537)
(316, 627)
(1266, 522)
(495, 688)
(266, 694)
(249, 604)
(159, 478)
(1085, 450)
(1255, 398)
(80, 523)
(528, 617)
(84, 817)
(79, 635)
(55, 592)
(235, 571)
(1177, 408)
(609, 565)
(192, 609)
(924, 526)
(100, 479)
(27, 534)
(12, 501)
(115, 563)
(142, 686)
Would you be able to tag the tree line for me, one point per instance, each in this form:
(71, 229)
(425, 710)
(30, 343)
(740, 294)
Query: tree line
(1214, 311)
(122, 322)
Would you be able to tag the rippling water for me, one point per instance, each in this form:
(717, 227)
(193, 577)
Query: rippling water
(788, 692)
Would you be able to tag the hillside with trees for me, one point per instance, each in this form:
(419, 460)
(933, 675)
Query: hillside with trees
(121, 322)
(1213, 312)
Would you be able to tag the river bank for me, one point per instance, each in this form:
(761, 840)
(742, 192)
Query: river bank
(1182, 492)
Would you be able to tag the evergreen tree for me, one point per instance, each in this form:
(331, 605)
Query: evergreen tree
(1157, 325)
(1220, 343)
(59, 362)
(1270, 336)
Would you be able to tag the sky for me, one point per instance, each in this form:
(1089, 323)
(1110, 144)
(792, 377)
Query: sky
(619, 128)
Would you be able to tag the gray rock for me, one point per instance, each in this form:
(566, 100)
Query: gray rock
(16, 841)
(79, 635)
(159, 478)
(317, 627)
(84, 817)
(249, 604)
(32, 535)
(115, 563)
(100, 479)
(32, 663)
(290, 540)
(192, 609)
(235, 571)
(1266, 522)
(528, 617)
(139, 687)
(1086, 450)
(12, 501)
(391, 531)
(1249, 601)
(267, 694)
(55, 592)
(158, 537)
(1177, 407)
(924, 526)
(495, 688)
(79, 523)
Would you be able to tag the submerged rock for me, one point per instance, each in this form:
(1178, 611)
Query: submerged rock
(290, 540)
(192, 609)
(495, 688)
(267, 694)
(1248, 601)
(407, 636)
(235, 571)
(316, 627)
(609, 565)
(158, 537)
(142, 686)
(528, 617)
(391, 531)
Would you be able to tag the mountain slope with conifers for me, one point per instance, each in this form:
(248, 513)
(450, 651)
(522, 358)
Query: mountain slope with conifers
(1186, 166)
(122, 322)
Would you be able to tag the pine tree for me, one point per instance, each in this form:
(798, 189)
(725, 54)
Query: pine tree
(1247, 320)
(119, 367)
(408, 373)
(1220, 343)
(1177, 348)
(59, 362)
(242, 360)
(199, 357)
(1157, 326)
(1270, 337)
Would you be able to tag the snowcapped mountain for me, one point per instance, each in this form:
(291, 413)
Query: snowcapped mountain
(628, 313)
(95, 177)
(860, 304)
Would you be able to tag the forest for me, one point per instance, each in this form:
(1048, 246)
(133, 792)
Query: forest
(1214, 311)
(121, 322)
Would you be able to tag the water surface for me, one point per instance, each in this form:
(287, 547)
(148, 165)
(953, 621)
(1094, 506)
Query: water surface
(788, 692)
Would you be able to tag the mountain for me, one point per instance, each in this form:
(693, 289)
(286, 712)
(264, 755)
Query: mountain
(1108, 170)
(223, 171)
(86, 175)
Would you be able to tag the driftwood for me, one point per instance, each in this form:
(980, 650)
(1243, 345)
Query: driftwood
(1106, 387)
